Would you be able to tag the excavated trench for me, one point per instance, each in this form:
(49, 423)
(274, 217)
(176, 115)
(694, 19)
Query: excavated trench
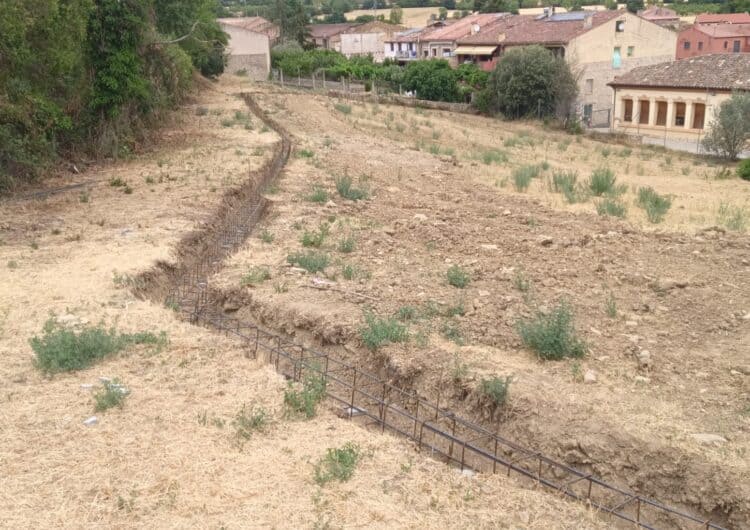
(395, 401)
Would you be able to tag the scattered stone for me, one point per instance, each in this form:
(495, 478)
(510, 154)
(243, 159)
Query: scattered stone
(746, 316)
(631, 323)
(330, 204)
(389, 230)
(506, 212)
(483, 293)
(87, 386)
(641, 379)
(663, 285)
(546, 241)
(744, 369)
(589, 377)
(104, 380)
(488, 247)
(595, 331)
(644, 359)
(708, 438)
(67, 320)
(93, 420)
(420, 217)
(467, 472)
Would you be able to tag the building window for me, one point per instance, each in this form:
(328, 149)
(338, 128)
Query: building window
(699, 115)
(631, 51)
(434, 52)
(391, 46)
(726, 43)
(643, 109)
(619, 26)
(679, 114)
(736, 47)
(616, 58)
(588, 112)
(661, 113)
(589, 86)
(627, 110)
(446, 52)
(700, 45)
(686, 45)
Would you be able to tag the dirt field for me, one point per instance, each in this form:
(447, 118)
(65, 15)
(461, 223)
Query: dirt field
(677, 290)
(170, 457)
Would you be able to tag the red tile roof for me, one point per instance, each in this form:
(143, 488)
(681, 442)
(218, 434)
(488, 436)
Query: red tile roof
(462, 27)
(719, 18)
(723, 71)
(326, 31)
(658, 13)
(724, 30)
(256, 24)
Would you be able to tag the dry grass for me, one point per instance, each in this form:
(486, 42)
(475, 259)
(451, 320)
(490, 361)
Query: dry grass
(169, 458)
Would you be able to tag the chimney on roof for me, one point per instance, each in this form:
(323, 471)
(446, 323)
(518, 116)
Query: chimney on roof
(588, 22)
(475, 28)
(546, 12)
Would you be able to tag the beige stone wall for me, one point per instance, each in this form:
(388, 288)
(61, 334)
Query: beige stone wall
(248, 50)
(591, 55)
(256, 66)
(354, 44)
(711, 100)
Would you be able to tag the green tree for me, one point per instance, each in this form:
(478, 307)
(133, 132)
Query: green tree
(434, 80)
(531, 81)
(634, 5)
(397, 15)
(442, 13)
(496, 6)
(610, 4)
(729, 131)
(292, 19)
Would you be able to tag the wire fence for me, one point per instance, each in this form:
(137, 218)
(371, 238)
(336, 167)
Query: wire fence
(368, 398)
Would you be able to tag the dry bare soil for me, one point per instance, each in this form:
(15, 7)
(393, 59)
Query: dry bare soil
(663, 308)
(171, 456)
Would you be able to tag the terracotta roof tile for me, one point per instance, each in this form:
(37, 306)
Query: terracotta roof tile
(326, 31)
(725, 71)
(717, 18)
(724, 30)
(256, 24)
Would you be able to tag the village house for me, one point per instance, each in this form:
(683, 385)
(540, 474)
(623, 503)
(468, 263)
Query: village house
(328, 36)
(368, 39)
(597, 45)
(677, 100)
(249, 46)
(713, 37)
(661, 16)
(442, 41)
(722, 18)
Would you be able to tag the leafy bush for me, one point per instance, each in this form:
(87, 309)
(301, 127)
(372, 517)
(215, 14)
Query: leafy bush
(406, 313)
(496, 389)
(656, 205)
(338, 464)
(316, 238)
(311, 261)
(603, 182)
(61, 349)
(743, 169)
(494, 156)
(378, 331)
(523, 175)
(729, 130)
(306, 400)
(347, 191)
(434, 80)
(733, 217)
(611, 207)
(255, 276)
(347, 244)
(318, 194)
(249, 420)
(458, 277)
(566, 182)
(112, 394)
(552, 335)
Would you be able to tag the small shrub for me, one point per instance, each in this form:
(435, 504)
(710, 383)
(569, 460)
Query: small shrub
(201, 111)
(606, 151)
(304, 401)
(347, 191)
(456, 310)
(743, 169)
(112, 394)
(566, 182)
(496, 389)
(732, 217)
(611, 207)
(452, 332)
(338, 464)
(266, 236)
(406, 313)
(523, 175)
(305, 153)
(552, 336)
(318, 195)
(611, 305)
(656, 205)
(347, 244)
(625, 152)
(602, 182)
(12, 264)
(249, 420)
(311, 261)
(494, 156)
(521, 282)
(458, 277)
(255, 276)
(241, 73)
(378, 331)
(63, 350)
(315, 239)
(460, 370)
(117, 182)
(343, 108)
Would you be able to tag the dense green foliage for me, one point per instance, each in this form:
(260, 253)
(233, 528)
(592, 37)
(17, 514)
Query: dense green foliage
(551, 335)
(729, 131)
(530, 81)
(743, 169)
(91, 73)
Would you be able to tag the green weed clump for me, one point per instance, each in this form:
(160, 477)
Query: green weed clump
(378, 331)
(255, 276)
(611, 207)
(347, 244)
(732, 217)
(743, 169)
(494, 156)
(552, 335)
(603, 182)
(344, 185)
(458, 277)
(316, 238)
(338, 464)
(496, 388)
(304, 401)
(343, 108)
(112, 394)
(523, 176)
(318, 194)
(566, 182)
(311, 261)
(60, 349)
(656, 205)
(249, 419)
